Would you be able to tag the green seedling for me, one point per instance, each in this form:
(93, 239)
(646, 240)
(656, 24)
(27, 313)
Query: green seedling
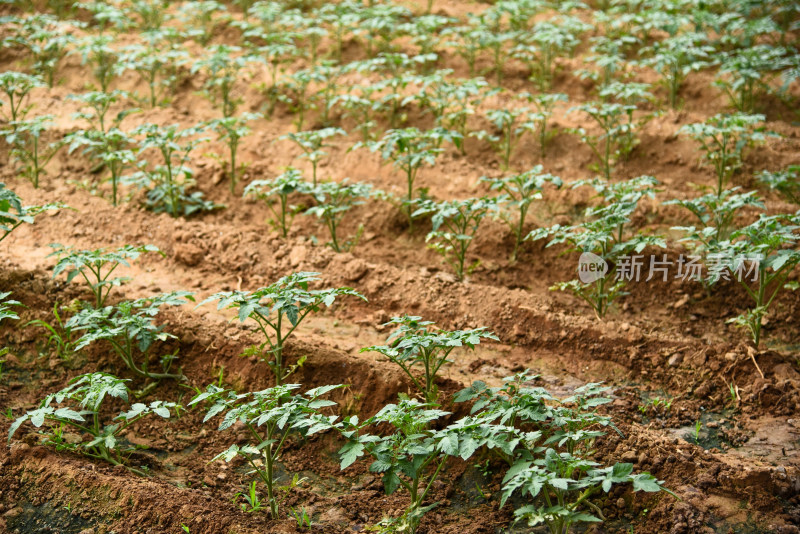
(282, 186)
(408, 150)
(768, 245)
(720, 212)
(202, 20)
(333, 201)
(231, 130)
(359, 108)
(5, 308)
(510, 124)
(97, 51)
(106, 16)
(343, 17)
(270, 416)
(152, 14)
(327, 91)
(297, 93)
(745, 72)
(544, 104)
(561, 487)
(607, 146)
(278, 310)
(29, 149)
(312, 143)
(45, 40)
(62, 337)
(455, 223)
(675, 58)
(16, 86)
(130, 329)
(785, 182)
(81, 403)
(222, 69)
(113, 149)
(169, 179)
(13, 214)
(723, 139)
(301, 517)
(603, 236)
(252, 502)
(275, 54)
(547, 443)
(380, 25)
(544, 43)
(607, 59)
(416, 344)
(156, 63)
(518, 193)
(96, 106)
(412, 457)
(97, 266)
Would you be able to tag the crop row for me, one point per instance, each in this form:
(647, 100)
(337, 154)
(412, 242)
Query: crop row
(545, 443)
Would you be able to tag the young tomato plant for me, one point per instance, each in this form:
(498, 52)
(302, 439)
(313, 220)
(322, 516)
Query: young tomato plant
(744, 72)
(169, 179)
(277, 52)
(28, 148)
(549, 442)
(769, 245)
(312, 143)
(611, 119)
(62, 337)
(455, 223)
(156, 63)
(603, 242)
(113, 149)
(296, 95)
(544, 43)
(675, 58)
(97, 51)
(415, 344)
(719, 212)
(13, 214)
(80, 405)
(408, 150)
(519, 191)
(17, 87)
(270, 416)
(282, 186)
(45, 39)
(785, 182)
(561, 487)
(630, 95)
(96, 106)
(97, 266)
(544, 104)
(130, 327)
(334, 200)
(222, 69)
(231, 130)
(278, 310)
(358, 107)
(510, 124)
(412, 457)
(723, 139)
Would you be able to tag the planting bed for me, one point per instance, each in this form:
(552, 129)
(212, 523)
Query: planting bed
(691, 407)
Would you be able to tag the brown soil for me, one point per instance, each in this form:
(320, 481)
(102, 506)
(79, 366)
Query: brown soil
(667, 339)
